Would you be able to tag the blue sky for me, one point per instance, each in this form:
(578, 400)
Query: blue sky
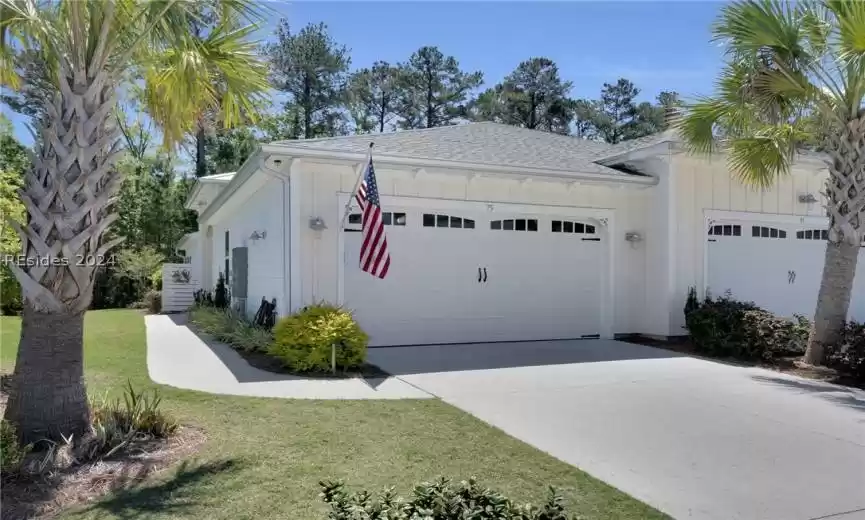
(657, 45)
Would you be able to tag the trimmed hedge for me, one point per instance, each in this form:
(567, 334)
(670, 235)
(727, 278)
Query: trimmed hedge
(725, 327)
(303, 341)
(439, 500)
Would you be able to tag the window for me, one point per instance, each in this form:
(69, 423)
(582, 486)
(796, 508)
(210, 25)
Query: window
(767, 232)
(813, 234)
(442, 221)
(227, 258)
(733, 230)
(388, 218)
(518, 224)
(565, 226)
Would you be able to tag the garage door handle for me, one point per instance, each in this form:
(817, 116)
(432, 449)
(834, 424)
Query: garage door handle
(479, 275)
(485, 275)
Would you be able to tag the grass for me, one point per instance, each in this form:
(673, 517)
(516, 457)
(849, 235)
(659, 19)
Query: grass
(264, 457)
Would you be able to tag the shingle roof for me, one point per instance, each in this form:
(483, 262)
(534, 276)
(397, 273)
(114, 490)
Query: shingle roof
(479, 143)
(619, 149)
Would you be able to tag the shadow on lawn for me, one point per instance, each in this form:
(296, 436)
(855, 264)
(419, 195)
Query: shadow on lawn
(840, 395)
(172, 497)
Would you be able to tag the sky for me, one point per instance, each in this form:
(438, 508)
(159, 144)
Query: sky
(657, 45)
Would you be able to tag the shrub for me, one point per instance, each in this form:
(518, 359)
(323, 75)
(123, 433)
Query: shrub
(221, 298)
(715, 326)
(436, 501)
(249, 337)
(12, 453)
(768, 336)
(153, 301)
(725, 327)
(115, 423)
(848, 356)
(10, 293)
(303, 341)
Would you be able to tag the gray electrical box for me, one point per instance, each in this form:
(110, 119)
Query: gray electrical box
(239, 271)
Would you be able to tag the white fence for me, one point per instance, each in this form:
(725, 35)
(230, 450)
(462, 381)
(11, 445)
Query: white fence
(179, 283)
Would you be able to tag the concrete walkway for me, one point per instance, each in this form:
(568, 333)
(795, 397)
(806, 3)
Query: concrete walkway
(178, 358)
(695, 439)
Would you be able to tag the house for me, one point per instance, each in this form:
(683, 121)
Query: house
(502, 233)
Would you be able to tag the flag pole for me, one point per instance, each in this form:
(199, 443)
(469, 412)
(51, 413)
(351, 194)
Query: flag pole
(360, 173)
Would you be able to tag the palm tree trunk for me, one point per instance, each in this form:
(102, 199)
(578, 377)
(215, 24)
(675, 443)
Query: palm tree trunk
(48, 398)
(200, 152)
(845, 192)
(833, 301)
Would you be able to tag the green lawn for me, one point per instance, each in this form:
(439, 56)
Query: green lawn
(264, 457)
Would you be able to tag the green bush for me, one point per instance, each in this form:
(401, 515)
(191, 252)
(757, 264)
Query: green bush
(12, 453)
(438, 500)
(725, 327)
(228, 327)
(303, 341)
(153, 301)
(848, 356)
(768, 336)
(716, 328)
(10, 293)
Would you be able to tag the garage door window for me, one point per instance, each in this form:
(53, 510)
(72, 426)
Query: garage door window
(389, 218)
(813, 234)
(566, 226)
(516, 224)
(730, 230)
(447, 221)
(767, 232)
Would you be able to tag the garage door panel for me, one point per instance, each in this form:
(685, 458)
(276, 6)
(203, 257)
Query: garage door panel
(463, 276)
(776, 265)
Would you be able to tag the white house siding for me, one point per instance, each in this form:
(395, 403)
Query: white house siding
(319, 187)
(260, 211)
(703, 184)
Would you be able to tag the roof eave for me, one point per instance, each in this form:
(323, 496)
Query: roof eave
(395, 160)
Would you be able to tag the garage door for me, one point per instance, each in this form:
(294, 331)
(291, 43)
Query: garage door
(776, 265)
(464, 277)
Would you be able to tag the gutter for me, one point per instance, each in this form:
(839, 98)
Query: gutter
(357, 157)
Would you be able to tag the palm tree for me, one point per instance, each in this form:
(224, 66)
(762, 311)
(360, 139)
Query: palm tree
(89, 49)
(795, 78)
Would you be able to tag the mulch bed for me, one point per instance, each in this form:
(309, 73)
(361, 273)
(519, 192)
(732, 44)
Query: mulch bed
(269, 363)
(787, 365)
(43, 495)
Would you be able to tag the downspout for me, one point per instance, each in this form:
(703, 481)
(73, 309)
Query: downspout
(286, 266)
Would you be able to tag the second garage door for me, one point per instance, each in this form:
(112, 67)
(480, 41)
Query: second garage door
(777, 265)
(465, 276)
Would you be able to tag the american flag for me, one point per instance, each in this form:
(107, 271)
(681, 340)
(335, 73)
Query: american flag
(374, 255)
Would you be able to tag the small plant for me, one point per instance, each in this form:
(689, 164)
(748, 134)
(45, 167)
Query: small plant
(153, 301)
(848, 356)
(439, 500)
(12, 452)
(229, 327)
(304, 341)
(116, 423)
(220, 294)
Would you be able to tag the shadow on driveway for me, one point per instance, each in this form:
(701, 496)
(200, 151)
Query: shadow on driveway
(484, 356)
(845, 396)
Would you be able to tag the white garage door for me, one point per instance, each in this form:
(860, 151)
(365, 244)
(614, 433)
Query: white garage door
(776, 265)
(463, 277)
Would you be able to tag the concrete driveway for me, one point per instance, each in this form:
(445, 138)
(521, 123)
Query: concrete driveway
(693, 438)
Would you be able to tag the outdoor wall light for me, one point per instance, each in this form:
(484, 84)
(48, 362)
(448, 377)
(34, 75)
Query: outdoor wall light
(317, 224)
(807, 198)
(258, 235)
(633, 237)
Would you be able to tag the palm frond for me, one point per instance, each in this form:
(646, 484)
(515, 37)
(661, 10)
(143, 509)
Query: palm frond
(761, 157)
